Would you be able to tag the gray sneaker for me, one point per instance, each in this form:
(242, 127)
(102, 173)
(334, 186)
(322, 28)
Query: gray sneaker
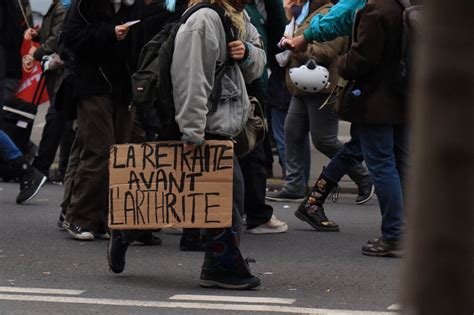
(283, 196)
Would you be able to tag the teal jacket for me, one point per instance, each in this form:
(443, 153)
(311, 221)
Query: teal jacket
(338, 22)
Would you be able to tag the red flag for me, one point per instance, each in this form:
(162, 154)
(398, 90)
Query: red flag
(31, 82)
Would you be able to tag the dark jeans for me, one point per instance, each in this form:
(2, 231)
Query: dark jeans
(304, 116)
(385, 151)
(255, 179)
(102, 122)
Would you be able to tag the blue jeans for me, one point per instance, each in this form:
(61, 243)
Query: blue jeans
(385, 151)
(278, 123)
(8, 150)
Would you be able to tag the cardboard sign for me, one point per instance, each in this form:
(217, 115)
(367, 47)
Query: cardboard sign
(154, 185)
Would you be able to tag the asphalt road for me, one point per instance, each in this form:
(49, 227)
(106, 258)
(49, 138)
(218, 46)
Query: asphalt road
(306, 271)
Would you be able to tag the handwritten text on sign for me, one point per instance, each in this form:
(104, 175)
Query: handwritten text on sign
(155, 185)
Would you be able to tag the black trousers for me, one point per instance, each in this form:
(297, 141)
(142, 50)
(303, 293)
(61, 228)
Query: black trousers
(56, 133)
(255, 180)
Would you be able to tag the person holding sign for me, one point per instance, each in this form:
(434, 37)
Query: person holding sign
(94, 31)
(201, 45)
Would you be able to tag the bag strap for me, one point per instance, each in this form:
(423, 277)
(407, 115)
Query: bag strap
(229, 35)
(405, 3)
(229, 31)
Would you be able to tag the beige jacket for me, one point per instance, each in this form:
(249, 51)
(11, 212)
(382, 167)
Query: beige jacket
(325, 54)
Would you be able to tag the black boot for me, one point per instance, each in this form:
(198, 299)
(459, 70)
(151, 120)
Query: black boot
(312, 211)
(191, 241)
(31, 180)
(116, 251)
(147, 238)
(366, 192)
(229, 271)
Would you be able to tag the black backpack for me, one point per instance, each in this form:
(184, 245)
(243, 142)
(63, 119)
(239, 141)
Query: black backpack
(412, 19)
(152, 91)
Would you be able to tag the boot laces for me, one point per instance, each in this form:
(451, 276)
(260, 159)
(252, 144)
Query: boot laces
(334, 195)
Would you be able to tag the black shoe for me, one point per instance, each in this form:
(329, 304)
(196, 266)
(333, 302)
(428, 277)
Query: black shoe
(284, 196)
(102, 233)
(218, 277)
(116, 251)
(148, 239)
(77, 232)
(381, 247)
(318, 220)
(30, 184)
(56, 177)
(365, 194)
(191, 243)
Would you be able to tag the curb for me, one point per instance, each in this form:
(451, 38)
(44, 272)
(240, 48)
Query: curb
(347, 187)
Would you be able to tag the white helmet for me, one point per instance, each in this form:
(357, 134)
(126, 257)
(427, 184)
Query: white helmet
(310, 77)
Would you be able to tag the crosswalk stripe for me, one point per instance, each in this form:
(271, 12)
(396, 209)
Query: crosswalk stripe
(240, 299)
(184, 305)
(40, 291)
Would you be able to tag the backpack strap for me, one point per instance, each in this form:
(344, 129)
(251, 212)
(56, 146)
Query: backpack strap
(229, 31)
(221, 68)
(405, 3)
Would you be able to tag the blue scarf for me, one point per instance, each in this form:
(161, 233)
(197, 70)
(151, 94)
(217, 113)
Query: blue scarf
(304, 13)
(170, 5)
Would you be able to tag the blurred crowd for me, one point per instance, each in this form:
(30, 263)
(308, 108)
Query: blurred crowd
(302, 65)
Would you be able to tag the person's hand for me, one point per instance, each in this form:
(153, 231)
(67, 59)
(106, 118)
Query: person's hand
(297, 43)
(32, 50)
(285, 43)
(121, 31)
(237, 50)
(189, 147)
(287, 5)
(30, 34)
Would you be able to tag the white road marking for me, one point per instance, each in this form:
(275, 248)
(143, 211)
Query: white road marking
(184, 305)
(394, 307)
(239, 299)
(40, 290)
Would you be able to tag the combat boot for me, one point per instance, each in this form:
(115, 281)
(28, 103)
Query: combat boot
(311, 210)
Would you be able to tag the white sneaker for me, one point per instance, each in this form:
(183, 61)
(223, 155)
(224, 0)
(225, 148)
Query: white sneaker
(77, 232)
(273, 226)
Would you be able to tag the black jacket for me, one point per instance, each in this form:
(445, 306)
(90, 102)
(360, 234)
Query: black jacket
(104, 65)
(12, 26)
(372, 63)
